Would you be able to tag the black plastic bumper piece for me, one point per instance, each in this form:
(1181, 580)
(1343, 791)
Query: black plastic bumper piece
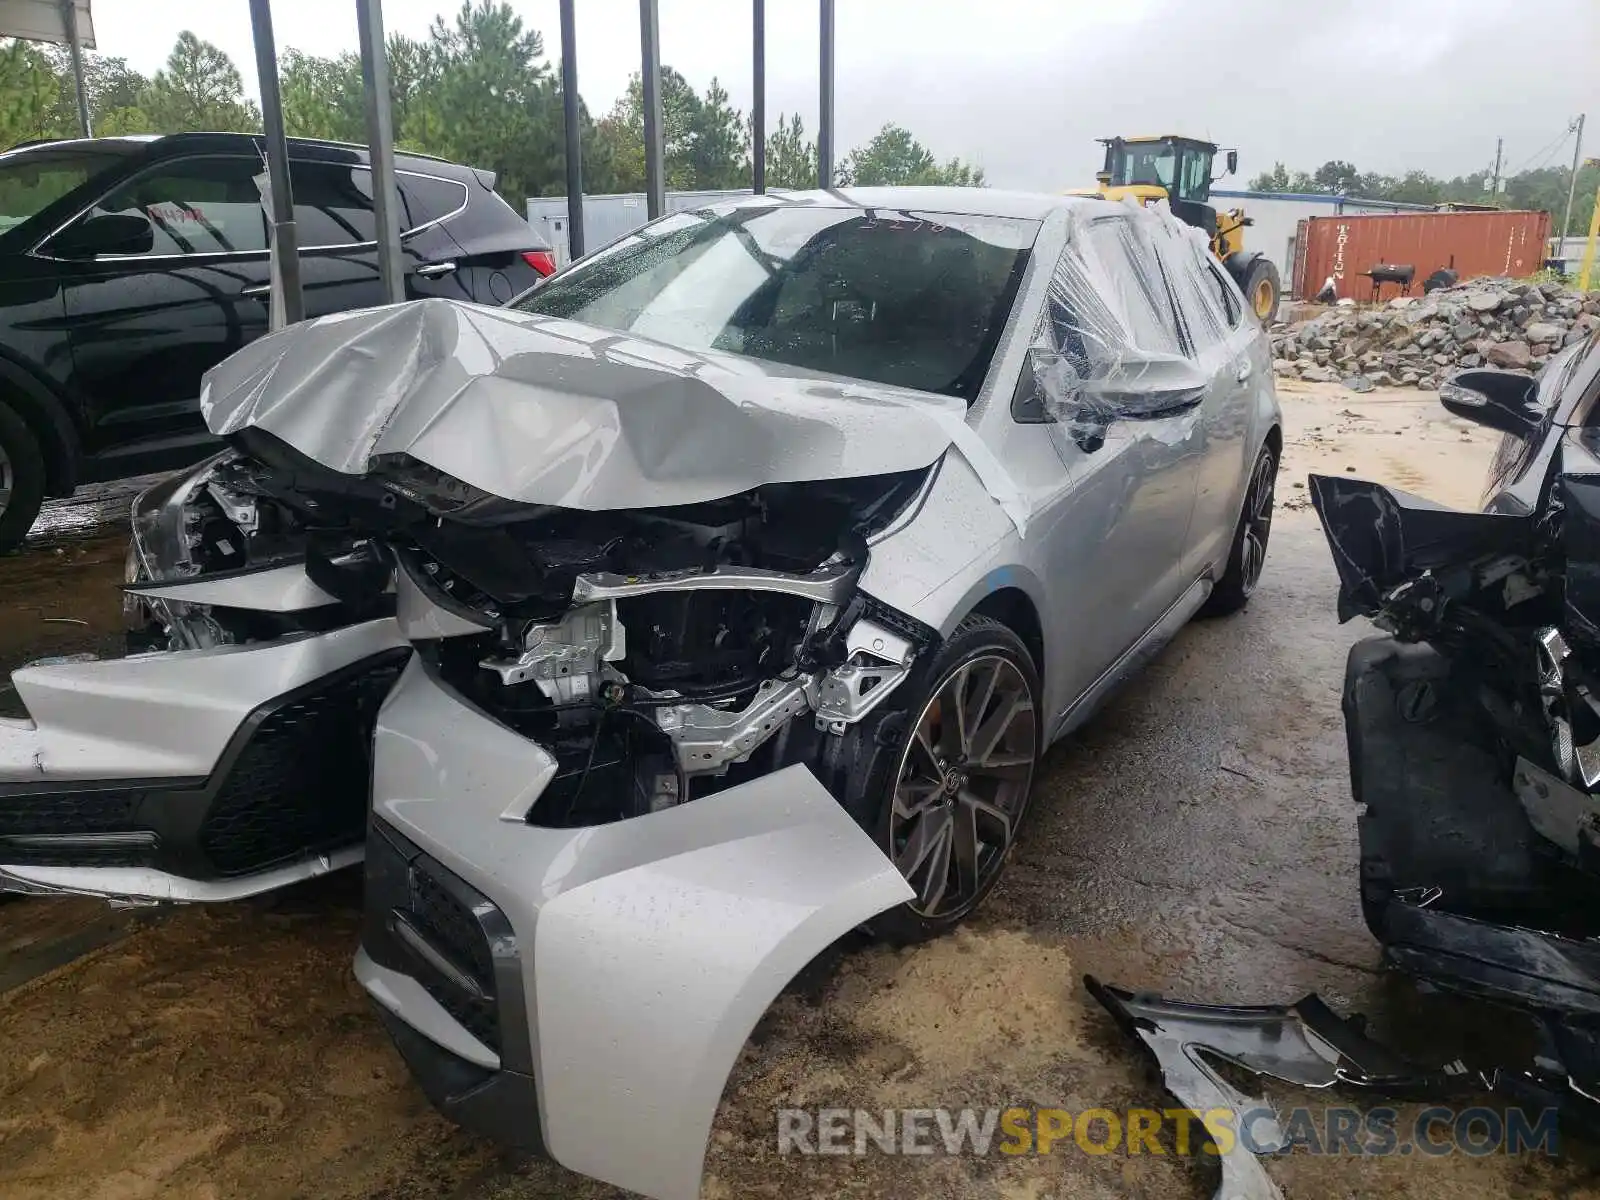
(426, 922)
(502, 1105)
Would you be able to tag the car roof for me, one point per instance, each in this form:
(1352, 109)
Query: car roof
(162, 143)
(962, 201)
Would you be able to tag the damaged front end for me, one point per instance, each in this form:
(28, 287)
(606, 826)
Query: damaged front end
(228, 752)
(658, 654)
(618, 787)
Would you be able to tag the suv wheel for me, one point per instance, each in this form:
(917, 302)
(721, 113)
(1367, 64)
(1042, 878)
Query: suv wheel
(21, 478)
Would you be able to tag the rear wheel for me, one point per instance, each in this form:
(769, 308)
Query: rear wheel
(21, 478)
(1249, 552)
(1262, 289)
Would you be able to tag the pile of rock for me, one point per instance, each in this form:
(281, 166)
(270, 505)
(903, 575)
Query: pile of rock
(1421, 341)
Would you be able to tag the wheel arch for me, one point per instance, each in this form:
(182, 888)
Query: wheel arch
(50, 421)
(1016, 610)
(1274, 439)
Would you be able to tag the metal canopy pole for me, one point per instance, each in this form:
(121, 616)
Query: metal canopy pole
(825, 105)
(572, 118)
(285, 242)
(655, 183)
(69, 18)
(380, 148)
(758, 106)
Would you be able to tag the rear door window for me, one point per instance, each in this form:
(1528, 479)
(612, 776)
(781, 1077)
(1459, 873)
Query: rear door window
(425, 199)
(332, 204)
(195, 206)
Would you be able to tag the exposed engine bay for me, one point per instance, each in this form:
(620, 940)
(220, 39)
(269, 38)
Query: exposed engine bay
(658, 654)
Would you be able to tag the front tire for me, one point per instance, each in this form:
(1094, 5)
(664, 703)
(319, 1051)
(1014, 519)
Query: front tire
(1248, 554)
(1263, 289)
(942, 782)
(21, 479)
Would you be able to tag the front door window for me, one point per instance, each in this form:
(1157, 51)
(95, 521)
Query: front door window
(196, 206)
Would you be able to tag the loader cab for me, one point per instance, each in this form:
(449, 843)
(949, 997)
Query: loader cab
(1179, 166)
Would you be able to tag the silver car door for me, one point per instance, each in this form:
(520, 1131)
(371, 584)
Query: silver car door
(1245, 369)
(1115, 548)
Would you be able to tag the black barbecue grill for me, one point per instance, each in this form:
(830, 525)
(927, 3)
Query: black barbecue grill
(1384, 273)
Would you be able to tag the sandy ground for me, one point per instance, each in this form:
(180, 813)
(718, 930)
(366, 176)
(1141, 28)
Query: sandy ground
(1195, 838)
(1399, 436)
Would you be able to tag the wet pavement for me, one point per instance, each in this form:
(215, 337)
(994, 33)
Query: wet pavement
(1196, 838)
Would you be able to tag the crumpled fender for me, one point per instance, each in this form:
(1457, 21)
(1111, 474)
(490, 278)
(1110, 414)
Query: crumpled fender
(649, 981)
(648, 947)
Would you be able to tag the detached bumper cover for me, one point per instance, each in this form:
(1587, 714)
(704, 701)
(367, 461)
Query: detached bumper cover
(584, 992)
(199, 775)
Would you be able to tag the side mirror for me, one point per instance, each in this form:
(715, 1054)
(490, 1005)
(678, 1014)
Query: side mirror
(1498, 399)
(109, 233)
(1233, 162)
(1053, 390)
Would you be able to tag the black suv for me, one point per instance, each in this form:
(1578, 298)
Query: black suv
(129, 266)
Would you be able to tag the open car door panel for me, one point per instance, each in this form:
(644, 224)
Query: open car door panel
(1382, 538)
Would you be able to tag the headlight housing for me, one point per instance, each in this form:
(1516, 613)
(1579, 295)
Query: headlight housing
(163, 540)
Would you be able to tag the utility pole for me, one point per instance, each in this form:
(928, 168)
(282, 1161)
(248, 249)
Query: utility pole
(1572, 184)
(69, 16)
(380, 147)
(1494, 185)
(285, 247)
(655, 175)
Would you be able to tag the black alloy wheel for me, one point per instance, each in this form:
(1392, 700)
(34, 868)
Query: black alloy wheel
(962, 785)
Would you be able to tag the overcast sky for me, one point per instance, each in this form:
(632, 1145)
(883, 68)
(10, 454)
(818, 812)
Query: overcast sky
(1022, 87)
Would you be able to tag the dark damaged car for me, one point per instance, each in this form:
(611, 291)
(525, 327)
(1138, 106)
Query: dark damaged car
(1474, 724)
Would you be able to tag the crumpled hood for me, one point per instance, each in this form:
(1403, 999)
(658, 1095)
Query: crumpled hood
(545, 411)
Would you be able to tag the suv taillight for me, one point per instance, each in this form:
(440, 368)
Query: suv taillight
(542, 261)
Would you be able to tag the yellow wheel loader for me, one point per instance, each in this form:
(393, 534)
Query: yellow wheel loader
(1178, 170)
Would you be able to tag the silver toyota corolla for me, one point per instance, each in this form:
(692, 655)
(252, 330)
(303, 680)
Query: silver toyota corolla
(715, 598)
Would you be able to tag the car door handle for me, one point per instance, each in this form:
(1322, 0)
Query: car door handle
(256, 291)
(1243, 374)
(435, 270)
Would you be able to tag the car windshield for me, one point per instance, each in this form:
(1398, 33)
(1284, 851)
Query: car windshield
(1155, 164)
(32, 179)
(914, 299)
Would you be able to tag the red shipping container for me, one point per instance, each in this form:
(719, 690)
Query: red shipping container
(1470, 243)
